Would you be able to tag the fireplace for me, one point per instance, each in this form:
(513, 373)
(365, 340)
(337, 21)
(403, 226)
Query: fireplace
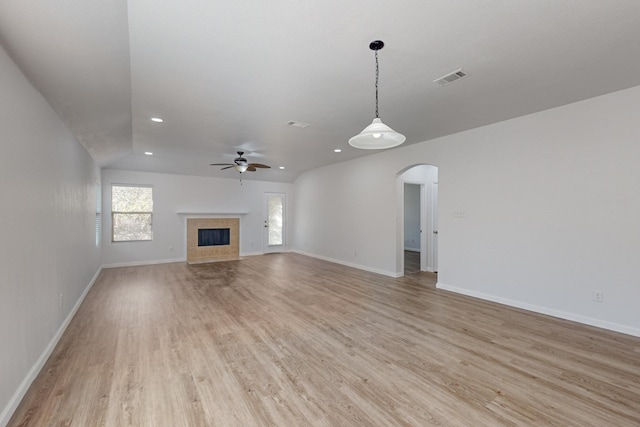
(213, 236)
(212, 239)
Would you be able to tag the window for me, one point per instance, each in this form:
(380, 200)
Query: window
(98, 212)
(131, 212)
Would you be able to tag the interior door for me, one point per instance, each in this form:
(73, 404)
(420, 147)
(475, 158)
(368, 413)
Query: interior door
(274, 223)
(434, 225)
(423, 228)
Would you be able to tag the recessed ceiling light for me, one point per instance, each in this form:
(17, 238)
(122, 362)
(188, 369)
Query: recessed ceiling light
(148, 153)
(157, 119)
(281, 167)
(337, 150)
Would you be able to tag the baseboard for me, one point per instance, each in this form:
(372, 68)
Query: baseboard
(166, 261)
(349, 264)
(251, 254)
(15, 400)
(139, 263)
(616, 327)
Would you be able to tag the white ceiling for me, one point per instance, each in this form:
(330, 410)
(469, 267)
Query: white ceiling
(227, 75)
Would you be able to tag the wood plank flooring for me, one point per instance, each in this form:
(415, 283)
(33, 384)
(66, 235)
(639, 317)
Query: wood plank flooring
(411, 262)
(288, 340)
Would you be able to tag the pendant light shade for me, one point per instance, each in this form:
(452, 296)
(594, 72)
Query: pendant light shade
(377, 135)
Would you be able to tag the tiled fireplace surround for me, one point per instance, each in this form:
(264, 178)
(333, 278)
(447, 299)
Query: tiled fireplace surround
(200, 254)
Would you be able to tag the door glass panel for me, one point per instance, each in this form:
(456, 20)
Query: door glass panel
(275, 205)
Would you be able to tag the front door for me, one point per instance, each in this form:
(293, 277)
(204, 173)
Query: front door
(274, 223)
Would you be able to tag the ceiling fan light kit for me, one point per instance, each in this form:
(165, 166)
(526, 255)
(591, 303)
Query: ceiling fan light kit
(241, 165)
(377, 135)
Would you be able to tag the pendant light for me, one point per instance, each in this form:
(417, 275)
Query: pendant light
(377, 135)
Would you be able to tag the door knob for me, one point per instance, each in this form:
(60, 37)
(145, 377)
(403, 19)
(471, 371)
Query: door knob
(435, 232)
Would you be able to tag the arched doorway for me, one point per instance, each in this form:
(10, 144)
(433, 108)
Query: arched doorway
(417, 242)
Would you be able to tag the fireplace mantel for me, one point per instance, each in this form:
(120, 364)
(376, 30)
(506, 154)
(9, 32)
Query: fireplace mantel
(211, 213)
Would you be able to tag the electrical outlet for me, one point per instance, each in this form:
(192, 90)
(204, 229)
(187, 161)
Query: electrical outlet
(598, 296)
(170, 248)
(60, 300)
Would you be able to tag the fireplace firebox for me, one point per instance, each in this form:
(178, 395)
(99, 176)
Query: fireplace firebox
(213, 236)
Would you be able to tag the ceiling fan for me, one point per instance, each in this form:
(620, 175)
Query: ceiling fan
(241, 165)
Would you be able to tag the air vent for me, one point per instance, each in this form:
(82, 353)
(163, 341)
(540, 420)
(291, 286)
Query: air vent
(451, 77)
(297, 124)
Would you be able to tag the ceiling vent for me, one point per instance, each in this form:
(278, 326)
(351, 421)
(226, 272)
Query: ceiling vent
(297, 124)
(451, 77)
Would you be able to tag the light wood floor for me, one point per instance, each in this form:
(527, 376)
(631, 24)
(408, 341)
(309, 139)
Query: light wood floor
(411, 262)
(287, 340)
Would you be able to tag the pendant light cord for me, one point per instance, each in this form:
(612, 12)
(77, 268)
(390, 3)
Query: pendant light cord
(377, 75)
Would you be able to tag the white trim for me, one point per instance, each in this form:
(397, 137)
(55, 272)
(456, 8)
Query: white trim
(164, 261)
(336, 261)
(137, 263)
(205, 214)
(616, 327)
(349, 264)
(252, 253)
(15, 400)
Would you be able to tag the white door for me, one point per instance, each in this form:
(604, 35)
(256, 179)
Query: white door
(274, 221)
(423, 229)
(434, 225)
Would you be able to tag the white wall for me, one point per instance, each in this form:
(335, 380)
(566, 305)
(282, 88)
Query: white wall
(346, 213)
(47, 181)
(551, 203)
(182, 193)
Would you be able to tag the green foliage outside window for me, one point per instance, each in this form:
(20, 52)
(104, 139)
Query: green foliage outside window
(132, 213)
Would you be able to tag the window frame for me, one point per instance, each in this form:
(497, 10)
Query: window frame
(115, 213)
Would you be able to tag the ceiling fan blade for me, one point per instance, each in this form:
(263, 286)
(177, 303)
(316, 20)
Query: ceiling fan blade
(226, 167)
(250, 169)
(221, 164)
(259, 165)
